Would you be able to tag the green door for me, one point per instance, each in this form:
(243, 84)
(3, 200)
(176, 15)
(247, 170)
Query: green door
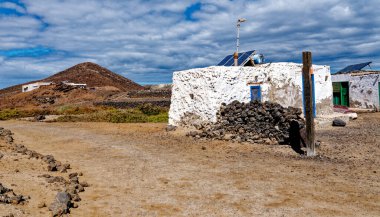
(341, 93)
(336, 93)
(344, 94)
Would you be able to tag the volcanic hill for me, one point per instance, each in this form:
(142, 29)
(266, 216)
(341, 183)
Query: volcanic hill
(94, 76)
(88, 73)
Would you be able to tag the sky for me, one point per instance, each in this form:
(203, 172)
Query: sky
(147, 40)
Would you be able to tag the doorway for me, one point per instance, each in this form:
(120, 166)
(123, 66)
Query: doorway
(341, 93)
(256, 93)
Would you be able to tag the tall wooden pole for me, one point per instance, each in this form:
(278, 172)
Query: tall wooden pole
(308, 102)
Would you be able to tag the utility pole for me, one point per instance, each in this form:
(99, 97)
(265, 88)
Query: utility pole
(308, 102)
(236, 54)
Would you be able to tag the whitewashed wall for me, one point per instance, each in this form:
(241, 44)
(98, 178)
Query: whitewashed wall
(198, 93)
(363, 89)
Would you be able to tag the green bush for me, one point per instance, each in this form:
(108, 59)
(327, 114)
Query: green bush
(149, 109)
(116, 116)
(8, 114)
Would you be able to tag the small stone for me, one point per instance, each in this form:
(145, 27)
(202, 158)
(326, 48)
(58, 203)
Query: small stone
(338, 122)
(75, 205)
(72, 175)
(203, 148)
(41, 205)
(84, 184)
(39, 117)
(17, 170)
(63, 197)
(76, 198)
(170, 128)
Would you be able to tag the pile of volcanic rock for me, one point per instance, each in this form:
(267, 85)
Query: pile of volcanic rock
(252, 122)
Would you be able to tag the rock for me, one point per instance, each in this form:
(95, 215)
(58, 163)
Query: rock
(9, 197)
(253, 122)
(53, 179)
(338, 122)
(63, 168)
(76, 198)
(352, 116)
(84, 184)
(80, 188)
(9, 139)
(74, 180)
(170, 128)
(1, 155)
(5, 132)
(71, 189)
(39, 117)
(63, 197)
(72, 175)
(41, 205)
(3, 189)
(228, 136)
(16, 199)
(61, 204)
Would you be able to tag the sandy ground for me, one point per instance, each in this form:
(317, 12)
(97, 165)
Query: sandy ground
(141, 170)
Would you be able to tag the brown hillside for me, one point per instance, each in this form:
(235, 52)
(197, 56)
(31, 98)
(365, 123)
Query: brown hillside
(89, 73)
(94, 76)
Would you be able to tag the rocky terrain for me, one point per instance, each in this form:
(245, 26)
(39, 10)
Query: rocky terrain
(68, 189)
(142, 170)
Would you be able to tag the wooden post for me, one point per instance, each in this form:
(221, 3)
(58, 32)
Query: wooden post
(308, 102)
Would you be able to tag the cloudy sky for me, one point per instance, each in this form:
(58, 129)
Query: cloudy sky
(147, 40)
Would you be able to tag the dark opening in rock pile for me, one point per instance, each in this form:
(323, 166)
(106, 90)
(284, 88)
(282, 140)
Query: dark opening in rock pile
(252, 122)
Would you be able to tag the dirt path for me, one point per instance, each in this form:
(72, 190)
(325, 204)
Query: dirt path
(140, 170)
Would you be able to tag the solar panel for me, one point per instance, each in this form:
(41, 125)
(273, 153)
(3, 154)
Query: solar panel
(356, 67)
(224, 60)
(230, 62)
(242, 59)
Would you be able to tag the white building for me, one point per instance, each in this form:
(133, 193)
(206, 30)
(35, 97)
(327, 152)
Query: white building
(357, 89)
(75, 84)
(198, 93)
(33, 86)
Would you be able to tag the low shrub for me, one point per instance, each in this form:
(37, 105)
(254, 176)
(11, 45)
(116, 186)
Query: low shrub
(8, 114)
(116, 116)
(149, 109)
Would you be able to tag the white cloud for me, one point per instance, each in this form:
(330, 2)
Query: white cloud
(145, 38)
(11, 5)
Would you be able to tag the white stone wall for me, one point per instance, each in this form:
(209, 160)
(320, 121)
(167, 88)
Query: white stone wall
(363, 89)
(198, 93)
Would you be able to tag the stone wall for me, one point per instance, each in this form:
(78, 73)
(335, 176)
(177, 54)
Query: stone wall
(363, 89)
(198, 93)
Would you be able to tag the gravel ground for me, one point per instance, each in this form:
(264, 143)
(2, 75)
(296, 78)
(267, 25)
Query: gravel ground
(141, 170)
